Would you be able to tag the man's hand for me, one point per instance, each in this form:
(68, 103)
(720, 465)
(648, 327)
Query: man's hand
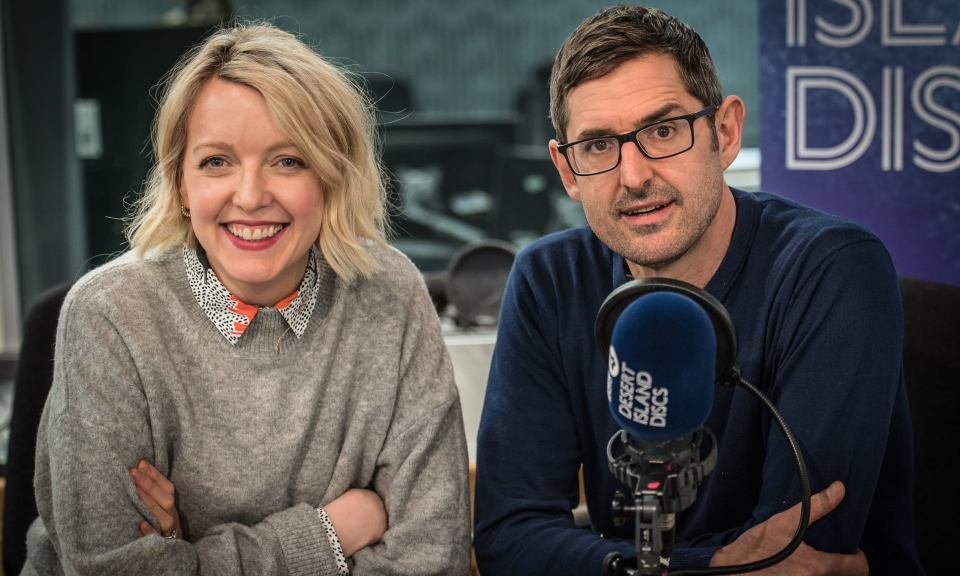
(769, 537)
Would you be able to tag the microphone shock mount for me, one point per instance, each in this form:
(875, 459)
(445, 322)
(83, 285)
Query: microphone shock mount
(663, 478)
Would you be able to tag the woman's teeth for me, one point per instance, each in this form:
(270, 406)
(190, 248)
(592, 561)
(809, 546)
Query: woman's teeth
(261, 233)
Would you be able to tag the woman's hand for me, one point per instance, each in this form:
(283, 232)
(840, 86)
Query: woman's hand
(157, 494)
(359, 518)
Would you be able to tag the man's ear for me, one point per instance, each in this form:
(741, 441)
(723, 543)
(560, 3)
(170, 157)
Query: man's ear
(729, 122)
(566, 174)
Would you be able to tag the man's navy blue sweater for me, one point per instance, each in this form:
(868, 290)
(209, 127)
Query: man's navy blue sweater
(816, 307)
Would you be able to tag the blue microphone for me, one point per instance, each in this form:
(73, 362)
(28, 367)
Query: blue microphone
(662, 367)
(669, 344)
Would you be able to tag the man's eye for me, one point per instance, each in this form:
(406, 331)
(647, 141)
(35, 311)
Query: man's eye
(598, 146)
(663, 131)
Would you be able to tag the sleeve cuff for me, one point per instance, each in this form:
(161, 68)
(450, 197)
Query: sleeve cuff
(305, 548)
(334, 540)
(692, 558)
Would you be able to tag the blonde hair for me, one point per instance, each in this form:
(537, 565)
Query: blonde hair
(327, 116)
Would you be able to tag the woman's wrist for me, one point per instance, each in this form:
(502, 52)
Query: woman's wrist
(359, 519)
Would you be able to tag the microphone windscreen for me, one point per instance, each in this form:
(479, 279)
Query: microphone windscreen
(661, 370)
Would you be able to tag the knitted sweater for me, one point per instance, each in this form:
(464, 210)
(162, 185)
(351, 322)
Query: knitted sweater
(254, 436)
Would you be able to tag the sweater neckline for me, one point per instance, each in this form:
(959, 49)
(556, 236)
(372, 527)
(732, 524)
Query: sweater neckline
(232, 317)
(733, 260)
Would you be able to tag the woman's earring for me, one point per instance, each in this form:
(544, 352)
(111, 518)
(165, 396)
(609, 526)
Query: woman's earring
(184, 210)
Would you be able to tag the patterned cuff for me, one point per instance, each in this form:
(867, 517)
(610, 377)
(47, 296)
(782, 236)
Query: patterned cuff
(342, 567)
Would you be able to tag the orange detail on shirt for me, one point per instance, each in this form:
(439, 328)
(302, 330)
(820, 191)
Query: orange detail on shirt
(286, 301)
(243, 309)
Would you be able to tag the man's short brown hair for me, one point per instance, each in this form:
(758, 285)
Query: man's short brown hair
(620, 33)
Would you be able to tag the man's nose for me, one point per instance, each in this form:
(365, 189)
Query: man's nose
(635, 168)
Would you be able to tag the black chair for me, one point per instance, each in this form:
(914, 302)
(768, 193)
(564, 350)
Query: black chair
(34, 374)
(931, 362)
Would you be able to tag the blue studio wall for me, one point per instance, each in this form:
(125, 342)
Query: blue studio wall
(860, 116)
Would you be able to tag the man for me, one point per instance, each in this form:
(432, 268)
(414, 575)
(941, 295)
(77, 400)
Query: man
(643, 138)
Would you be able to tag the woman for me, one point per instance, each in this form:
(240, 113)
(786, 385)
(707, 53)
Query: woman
(261, 349)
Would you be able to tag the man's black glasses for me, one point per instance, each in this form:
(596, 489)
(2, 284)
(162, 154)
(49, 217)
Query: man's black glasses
(656, 141)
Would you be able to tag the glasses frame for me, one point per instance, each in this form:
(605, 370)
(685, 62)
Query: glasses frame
(632, 137)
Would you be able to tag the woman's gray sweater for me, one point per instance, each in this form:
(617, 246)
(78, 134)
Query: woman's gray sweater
(254, 436)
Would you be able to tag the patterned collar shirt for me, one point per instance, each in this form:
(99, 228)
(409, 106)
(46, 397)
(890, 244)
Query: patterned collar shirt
(231, 316)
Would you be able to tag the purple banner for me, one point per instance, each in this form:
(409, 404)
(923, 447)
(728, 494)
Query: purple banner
(860, 117)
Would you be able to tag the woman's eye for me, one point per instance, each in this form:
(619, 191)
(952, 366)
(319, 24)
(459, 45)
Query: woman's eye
(291, 163)
(213, 162)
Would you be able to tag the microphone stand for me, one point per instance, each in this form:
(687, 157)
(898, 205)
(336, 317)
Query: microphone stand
(663, 478)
